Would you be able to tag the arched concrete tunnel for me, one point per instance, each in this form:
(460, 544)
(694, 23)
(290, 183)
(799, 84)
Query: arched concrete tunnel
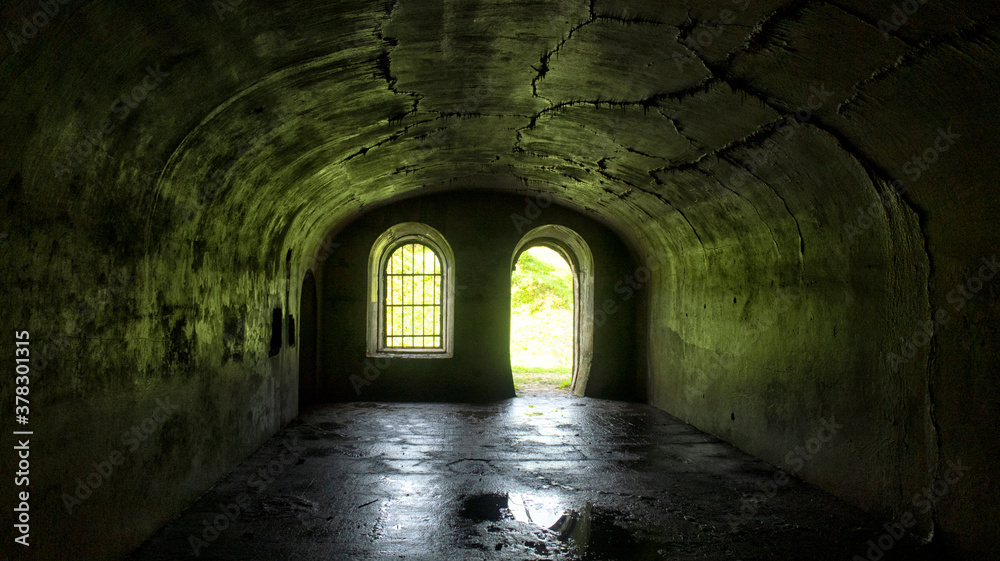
(798, 198)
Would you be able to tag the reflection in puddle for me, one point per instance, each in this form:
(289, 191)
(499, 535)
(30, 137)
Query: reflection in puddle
(545, 513)
(588, 533)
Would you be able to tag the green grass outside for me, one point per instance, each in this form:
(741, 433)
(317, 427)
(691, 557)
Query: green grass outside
(520, 369)
(524, 379)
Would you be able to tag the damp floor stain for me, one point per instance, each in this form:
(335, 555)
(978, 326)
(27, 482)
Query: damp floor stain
(588, 480)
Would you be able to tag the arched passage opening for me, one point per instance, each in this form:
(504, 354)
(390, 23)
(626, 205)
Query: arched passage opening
(307, 341)
(541, 320)
(571, 247)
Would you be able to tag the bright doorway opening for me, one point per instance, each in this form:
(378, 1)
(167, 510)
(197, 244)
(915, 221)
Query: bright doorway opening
(541, 321)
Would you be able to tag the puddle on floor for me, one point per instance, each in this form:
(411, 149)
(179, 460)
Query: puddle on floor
(480, 508)
(546, 527)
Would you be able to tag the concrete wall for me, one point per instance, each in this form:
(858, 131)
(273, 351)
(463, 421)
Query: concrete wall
(483, 229)
(758, 340)
(150, 371)
(763, 330)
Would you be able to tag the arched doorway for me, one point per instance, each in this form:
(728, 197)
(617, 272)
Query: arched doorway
(571, 247)
(307, 342)
(541, 320)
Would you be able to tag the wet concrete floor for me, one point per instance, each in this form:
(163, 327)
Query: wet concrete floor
(542, 476)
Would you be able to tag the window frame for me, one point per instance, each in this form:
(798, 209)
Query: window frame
(407, 233)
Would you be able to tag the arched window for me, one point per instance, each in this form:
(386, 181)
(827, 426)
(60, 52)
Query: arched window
(412, 304)
(411, 295)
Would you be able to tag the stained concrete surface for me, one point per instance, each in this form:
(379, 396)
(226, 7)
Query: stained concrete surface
(544, 476)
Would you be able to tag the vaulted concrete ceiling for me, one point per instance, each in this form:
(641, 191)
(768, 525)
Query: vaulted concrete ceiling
(295, 115)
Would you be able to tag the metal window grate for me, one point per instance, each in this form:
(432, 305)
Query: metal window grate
(413, 298)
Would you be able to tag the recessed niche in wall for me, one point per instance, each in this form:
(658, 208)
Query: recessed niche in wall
(275, 332)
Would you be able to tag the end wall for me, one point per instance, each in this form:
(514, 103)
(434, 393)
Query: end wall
(483, 230)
